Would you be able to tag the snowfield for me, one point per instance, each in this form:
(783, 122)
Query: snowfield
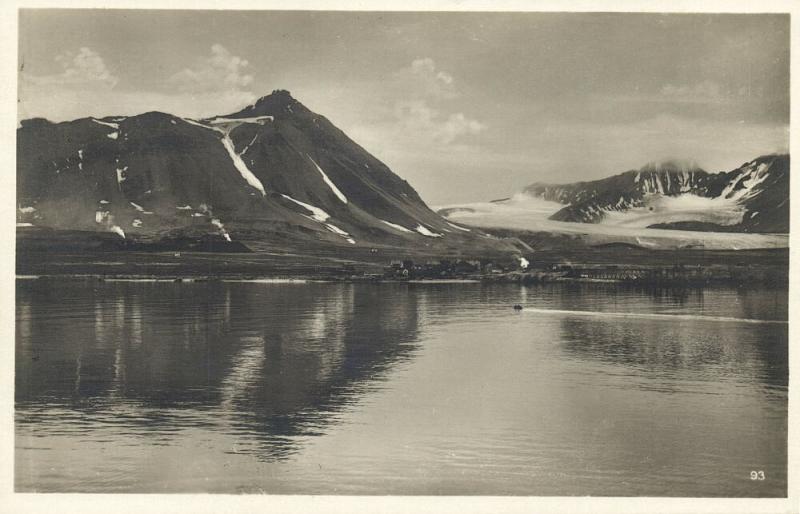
(524, 212)
(685, 207)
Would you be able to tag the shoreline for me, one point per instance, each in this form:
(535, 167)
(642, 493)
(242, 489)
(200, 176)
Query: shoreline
(510, 278)
(609, 265)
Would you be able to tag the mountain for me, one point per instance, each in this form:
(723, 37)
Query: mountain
(274, 172)
(751, 198)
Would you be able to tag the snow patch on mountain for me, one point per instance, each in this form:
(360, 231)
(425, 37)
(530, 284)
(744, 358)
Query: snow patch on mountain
(396, 226)
(221, 120)
(246, 148)
(118, 230)
(121, 176)
(239, 164)
(227, 125)
(338, 231)
(197, 123)
(329, 182)
(115, 126)
(427, 232)
(458, 227)
(321, 216)
(641, 242)
(744, 186)
(317, 213)
(140, 208)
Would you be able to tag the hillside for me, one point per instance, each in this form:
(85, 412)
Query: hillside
(274, 174)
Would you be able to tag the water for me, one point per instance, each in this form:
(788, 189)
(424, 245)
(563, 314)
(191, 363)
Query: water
(399, 389)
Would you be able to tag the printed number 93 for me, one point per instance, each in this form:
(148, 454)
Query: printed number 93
(757, 475)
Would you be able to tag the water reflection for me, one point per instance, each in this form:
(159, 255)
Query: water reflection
(707, 350)
(404, 389)
(275, 361)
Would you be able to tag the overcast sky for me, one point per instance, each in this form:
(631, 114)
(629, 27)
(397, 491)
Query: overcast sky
(465, 106)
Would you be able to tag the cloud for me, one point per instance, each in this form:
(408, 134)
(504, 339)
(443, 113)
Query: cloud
(457, 124)
(421, 95)
(220, 71)
(423, 79)
(426, 68)
(215, 84)
(64, 104)
(590, 150)
(86, 67)
(420, 120)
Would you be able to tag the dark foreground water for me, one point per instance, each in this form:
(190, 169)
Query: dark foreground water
(399, 389)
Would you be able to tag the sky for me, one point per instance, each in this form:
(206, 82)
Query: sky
(465, 106)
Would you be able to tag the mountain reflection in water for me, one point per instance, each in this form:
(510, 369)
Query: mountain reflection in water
(277, 361)
(591, 389)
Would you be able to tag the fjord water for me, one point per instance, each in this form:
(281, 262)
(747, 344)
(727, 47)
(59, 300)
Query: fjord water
(340, 388)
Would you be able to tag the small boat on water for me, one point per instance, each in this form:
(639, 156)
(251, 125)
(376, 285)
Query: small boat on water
(517, 307)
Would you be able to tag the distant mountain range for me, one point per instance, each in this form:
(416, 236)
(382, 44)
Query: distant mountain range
(272, 172)
(751, 198)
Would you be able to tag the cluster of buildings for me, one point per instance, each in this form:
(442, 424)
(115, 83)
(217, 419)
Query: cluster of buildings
(445, 268)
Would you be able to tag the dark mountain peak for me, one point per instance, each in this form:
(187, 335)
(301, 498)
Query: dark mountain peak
(279, 103)
(155, 116)
(671, 166)
(279, 95)
(772, 157)
(35, 122)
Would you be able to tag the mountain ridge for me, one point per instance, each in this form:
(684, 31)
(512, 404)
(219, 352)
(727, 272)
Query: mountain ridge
(274, 170)
(757, 190)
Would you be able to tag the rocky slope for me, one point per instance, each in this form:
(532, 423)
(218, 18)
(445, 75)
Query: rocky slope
(274, 171)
